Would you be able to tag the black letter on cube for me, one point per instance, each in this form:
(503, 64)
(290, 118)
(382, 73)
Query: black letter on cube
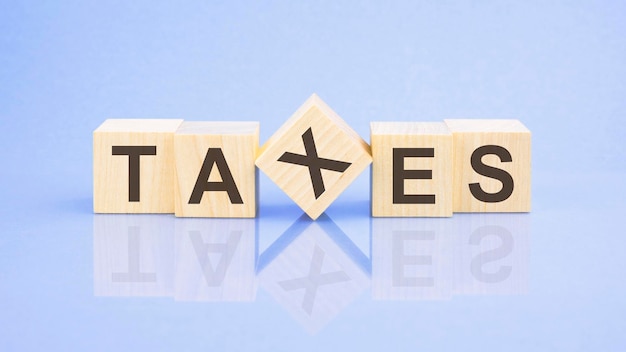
(133, 152)
(214, 156)
(400, 174)
(491, 172)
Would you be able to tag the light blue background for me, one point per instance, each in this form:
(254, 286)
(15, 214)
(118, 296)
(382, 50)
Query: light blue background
(557, 66)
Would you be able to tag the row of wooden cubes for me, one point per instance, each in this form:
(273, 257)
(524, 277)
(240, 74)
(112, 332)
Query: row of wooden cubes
(437, 168)
(163, 163)
(207, 169)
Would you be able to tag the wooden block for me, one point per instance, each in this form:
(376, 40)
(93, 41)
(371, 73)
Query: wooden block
(412, 170)
(314, 156)
(133, 166)
(215, 172)
(491, 165)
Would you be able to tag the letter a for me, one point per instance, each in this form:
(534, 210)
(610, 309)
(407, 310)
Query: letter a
(214, 156)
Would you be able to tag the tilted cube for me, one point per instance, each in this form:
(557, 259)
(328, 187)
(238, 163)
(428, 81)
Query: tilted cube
(314, 156)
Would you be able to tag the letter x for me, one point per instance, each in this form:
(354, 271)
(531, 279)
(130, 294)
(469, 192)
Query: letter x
(314, 163)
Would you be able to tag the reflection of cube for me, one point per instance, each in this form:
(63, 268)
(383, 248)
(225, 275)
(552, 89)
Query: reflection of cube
(133, 166)
(492, 254)
(215, 171)
(412, 170)
(314, 271)
(314, 156)
(411, 259)
(491, 165)
(133, 255)
(215, 260)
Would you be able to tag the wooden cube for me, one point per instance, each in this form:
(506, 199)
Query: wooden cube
(133, 166)
(215, 172)
(491, 165)
(314, 156)
(412, 169)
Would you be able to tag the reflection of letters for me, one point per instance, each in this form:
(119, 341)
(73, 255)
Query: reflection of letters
(492, 255)
(133, 255)
(401, 259)
(415, 259)
(134, 274)
(313, 270)
(411, 258)
(215, 277)
(495, 254)
(215, 260)
(313, 280)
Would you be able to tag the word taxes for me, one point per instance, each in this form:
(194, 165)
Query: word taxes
(209, 169)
